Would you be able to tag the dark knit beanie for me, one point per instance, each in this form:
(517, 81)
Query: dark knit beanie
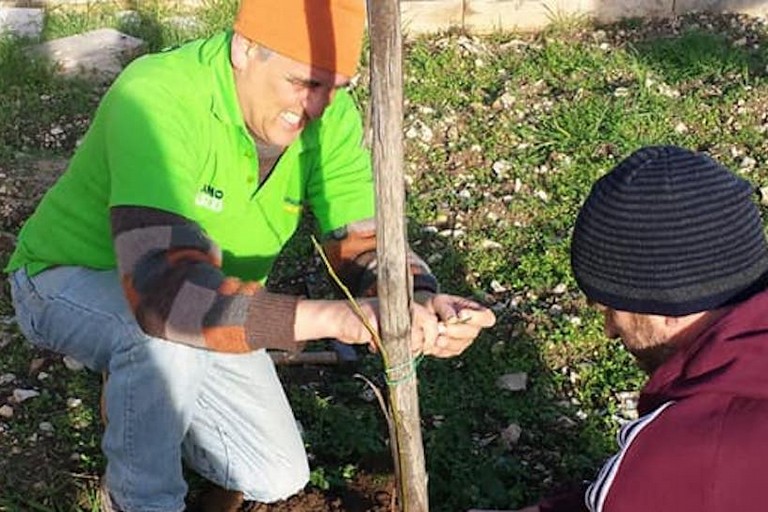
(669, 232)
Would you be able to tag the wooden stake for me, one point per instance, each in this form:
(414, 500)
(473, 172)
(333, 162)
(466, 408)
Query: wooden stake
(394, 280)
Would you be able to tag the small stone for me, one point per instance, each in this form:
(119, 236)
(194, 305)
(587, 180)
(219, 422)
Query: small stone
(621, 92)
(45, 426)
(20, 395)
(490, 244)
(434, 258)
(35, 365)
(128, 18)
(513, 381)
(43, 375)
(497, 287)
(6, 412)
(748, 163)
(21, 21)
(72, 364)
(501, 168)
(560, 289)
(7, 378)
(511, 435)
(681, 128)
(74, 403)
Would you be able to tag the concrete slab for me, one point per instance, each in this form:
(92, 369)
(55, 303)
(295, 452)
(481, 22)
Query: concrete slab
(99, 54)
(21, 21)
(424, 16)
(483, 16)
(614, 10)
(489, 15)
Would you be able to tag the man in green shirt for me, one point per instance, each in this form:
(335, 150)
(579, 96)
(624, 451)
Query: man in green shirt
(148, 258)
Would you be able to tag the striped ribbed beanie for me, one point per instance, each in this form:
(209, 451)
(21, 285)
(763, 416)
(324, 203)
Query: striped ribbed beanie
(669, 232)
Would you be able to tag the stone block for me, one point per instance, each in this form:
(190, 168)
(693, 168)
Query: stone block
(424, 16)
(484, 16)
(21, 21)
(99, 54)
(614, 10)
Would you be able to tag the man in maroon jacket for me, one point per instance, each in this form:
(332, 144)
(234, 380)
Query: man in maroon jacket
(670, 247)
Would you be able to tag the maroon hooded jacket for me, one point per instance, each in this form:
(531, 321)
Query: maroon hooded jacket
(701, 441)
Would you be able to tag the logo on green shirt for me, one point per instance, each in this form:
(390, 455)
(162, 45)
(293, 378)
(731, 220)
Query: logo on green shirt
(211, 198)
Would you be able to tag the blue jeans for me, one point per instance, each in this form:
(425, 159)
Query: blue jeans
(226, 414)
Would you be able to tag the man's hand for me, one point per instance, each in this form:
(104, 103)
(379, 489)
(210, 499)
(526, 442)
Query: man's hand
(441, 325)
(459, 321)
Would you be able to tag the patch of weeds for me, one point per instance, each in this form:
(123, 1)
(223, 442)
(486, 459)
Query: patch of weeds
(696, 54)
(38, 109)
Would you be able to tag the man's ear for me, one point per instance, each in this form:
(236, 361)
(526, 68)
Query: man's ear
(239, 51)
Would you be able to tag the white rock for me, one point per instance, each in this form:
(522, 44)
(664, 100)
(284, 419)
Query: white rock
(74, 403)
(7, 378)
(45, 426)
(560, 289)
(99, 54)
(681, 128)
(21, 21)
(621, 92)
(511, 435)
(128, 18)
(72, 364)
(20, 395)
(420, 131)
(43, 375)
(183, 23)
(748, 163)
(490, 244)
(434, 258)
(497, 287)
(6, 412)
(513, 381)
(501, 168)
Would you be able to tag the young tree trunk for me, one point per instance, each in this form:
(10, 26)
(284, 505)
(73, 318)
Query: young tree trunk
(394, 285)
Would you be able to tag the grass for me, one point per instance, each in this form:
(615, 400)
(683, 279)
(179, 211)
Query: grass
(519, 128)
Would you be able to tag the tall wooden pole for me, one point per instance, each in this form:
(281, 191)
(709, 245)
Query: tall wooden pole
(394, 277)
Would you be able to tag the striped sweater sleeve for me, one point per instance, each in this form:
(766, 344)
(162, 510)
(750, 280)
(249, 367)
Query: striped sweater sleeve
(351, 251)
(171, 275)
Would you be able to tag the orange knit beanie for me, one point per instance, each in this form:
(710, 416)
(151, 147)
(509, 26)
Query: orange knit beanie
(327, 34)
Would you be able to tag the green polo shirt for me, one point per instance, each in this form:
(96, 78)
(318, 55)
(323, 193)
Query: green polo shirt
(169, 135)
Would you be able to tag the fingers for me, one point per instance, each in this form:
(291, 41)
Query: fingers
(424, 330)
(450, 309)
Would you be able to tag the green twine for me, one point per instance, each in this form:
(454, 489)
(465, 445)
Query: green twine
(410, 371)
